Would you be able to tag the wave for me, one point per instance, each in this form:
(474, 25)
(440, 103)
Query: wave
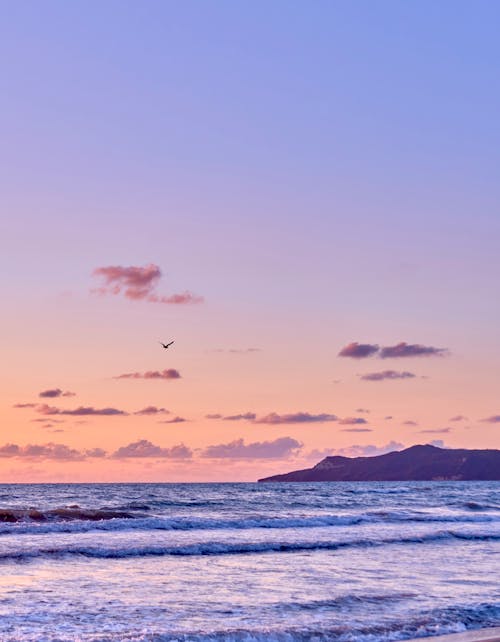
(424, 625)
(64, 514)
(227, 548)
(78, 520)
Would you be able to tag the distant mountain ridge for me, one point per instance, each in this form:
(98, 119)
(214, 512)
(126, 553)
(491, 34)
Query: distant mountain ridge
(417, 463)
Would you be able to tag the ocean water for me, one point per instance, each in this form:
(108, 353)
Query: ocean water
(312, 562)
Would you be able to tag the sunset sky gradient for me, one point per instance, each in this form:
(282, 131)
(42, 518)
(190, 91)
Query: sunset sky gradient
(304, 196)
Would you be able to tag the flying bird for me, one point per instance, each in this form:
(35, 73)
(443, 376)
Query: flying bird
(165, 345)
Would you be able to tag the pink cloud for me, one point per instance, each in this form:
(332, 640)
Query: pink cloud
(56, 392)
(171, 373)
(410, 422)
(24, 405)
(494, 419)
(295, 418)
(138, 284)
(152, 410)
(458, 418)
(237, 449)
(357, 350)
(404, 349)
(386, 374)
(145, 449)
(44, 409)
(53, 451)
(356, 430)
(369, 451)
(350, 421)
(174, 420)
(246, 416)
(436, 430)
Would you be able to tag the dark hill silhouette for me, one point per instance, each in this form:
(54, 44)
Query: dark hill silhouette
(425, 463)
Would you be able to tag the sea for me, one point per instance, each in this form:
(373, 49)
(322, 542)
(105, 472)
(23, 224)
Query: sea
(282, 562)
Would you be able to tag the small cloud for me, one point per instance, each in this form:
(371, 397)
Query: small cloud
(356, 430)
(174, 420)
(439, 443)
(214, 416)
(457, 418)
(404, 349)
(388, 417)
(295, 418)
(369, 451)
(386, 374)
(138, 284)
(350, 421)
(359, 350)
(152, 410)
(278, 449)
(56, 392)
(410, 422)
(246, 416)
(97, 453)
(171, 373)
(52, 392)
(44, 409)
(145, 449)
(318, 455)
(24, 405)
(436, 430)
(364, 410)
(494, 419)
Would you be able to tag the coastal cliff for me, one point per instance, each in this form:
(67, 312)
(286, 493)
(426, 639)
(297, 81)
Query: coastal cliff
(418, 463)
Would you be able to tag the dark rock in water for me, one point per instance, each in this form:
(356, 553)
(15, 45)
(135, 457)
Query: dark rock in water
(418, 463)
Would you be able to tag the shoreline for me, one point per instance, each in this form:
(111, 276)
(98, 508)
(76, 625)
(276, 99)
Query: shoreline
(488, 634)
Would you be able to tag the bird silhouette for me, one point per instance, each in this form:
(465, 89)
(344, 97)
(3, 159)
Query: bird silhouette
(165, 345)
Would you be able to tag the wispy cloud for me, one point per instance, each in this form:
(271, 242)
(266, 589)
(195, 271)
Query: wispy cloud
(144, 449)
(295, 418)
(351, 421)
(214, 415)
(357, 350)
(24, 405)
(436, 430)
(237, 449)
(44, 409)
(370, 450)
(386, 374)
(494, 419)
(170, 373)
(458, 418)
(356, 430)
(246, 416)
(139, 284)
(410, 422)
(152, 410)
(174, 420)
(404, 349)
(365, 410)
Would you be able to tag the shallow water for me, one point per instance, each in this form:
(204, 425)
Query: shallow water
(248, 562)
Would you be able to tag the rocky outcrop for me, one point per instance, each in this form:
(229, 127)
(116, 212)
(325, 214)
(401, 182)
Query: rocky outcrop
(425, 463)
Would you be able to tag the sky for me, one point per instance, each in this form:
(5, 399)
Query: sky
(303, 196)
